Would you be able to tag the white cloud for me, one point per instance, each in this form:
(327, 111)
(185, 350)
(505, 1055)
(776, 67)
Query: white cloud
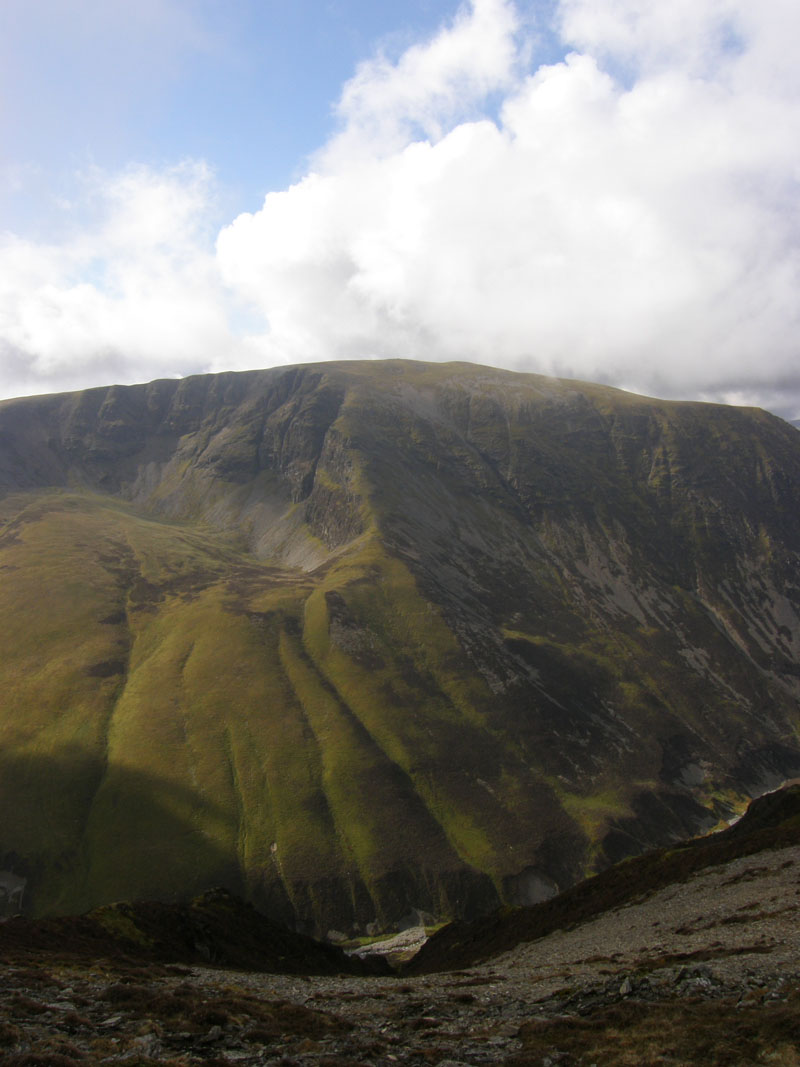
(632, 216)
(629, 214)
(645, 36)
(134, 294)
(429, 88)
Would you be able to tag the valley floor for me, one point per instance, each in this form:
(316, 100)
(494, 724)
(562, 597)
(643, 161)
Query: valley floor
(704, 972)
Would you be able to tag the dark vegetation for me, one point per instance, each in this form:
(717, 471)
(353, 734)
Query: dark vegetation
(216, 929)
(628, 1034)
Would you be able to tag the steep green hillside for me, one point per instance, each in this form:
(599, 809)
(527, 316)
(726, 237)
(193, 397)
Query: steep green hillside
(353, 639)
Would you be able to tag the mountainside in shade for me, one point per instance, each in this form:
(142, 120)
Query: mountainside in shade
(361, 638)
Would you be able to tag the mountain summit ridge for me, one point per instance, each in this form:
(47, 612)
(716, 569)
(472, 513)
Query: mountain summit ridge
(363, 638)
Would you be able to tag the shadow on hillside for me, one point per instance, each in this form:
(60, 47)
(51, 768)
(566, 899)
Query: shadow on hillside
(75, 833)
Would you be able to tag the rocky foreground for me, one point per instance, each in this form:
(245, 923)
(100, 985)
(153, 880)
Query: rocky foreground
(705, 971)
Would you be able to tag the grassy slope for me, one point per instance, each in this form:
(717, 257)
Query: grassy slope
(227, 738)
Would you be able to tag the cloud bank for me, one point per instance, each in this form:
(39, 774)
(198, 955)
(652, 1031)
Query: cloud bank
(134, 293)
(628, 214)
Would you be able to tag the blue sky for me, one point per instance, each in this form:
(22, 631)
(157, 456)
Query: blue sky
(604, 189)
(248, 85)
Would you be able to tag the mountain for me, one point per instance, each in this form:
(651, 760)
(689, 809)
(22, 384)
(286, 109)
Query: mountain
(359, 640)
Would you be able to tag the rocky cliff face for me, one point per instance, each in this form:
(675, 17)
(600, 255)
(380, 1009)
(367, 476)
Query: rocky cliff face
(362, 639)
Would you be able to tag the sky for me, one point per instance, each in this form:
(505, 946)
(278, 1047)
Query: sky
(596, 189)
